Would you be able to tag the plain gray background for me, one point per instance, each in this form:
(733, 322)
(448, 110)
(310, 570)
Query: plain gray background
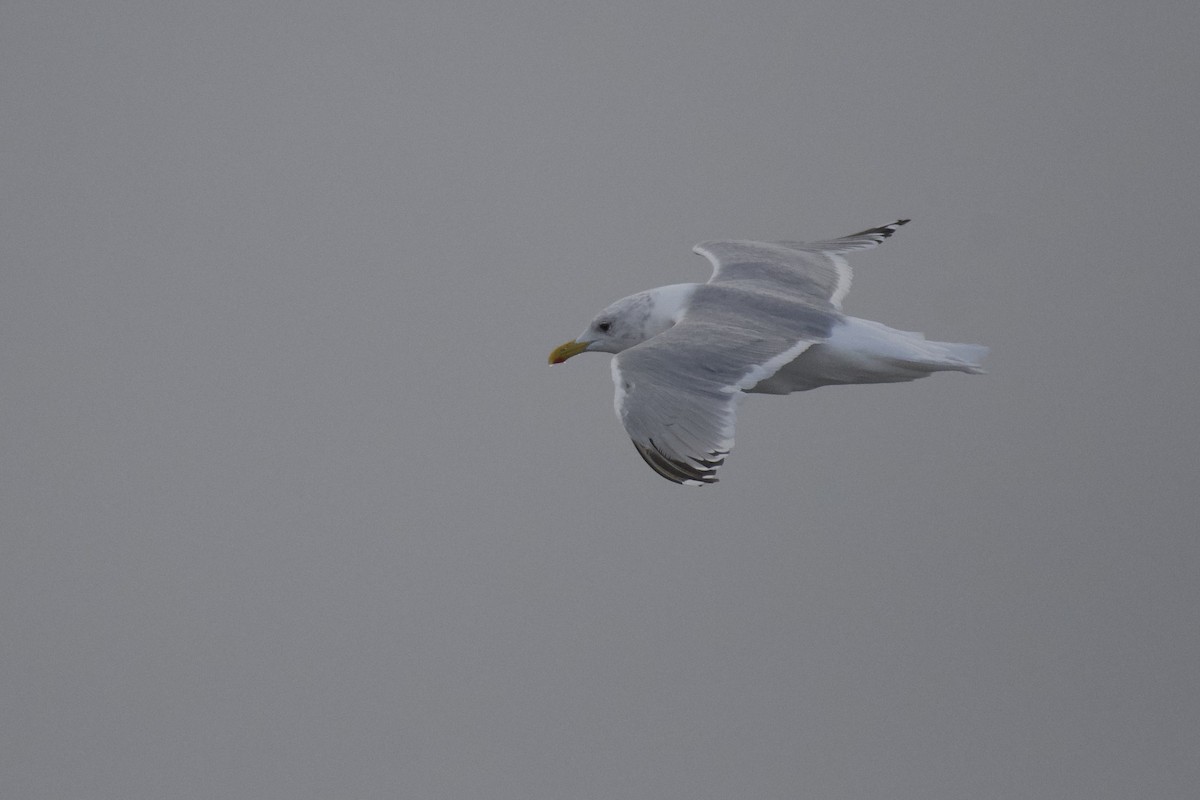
(293, 507)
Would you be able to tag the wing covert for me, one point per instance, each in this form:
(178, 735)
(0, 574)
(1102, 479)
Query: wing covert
(815, 271)
(677, 393)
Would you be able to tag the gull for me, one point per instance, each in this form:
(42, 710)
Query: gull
(769, 321)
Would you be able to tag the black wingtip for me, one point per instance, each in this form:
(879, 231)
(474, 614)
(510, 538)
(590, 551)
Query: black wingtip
(883, 231)
(678, 471)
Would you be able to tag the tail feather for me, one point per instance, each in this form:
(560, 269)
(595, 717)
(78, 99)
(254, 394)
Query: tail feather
(965, 357)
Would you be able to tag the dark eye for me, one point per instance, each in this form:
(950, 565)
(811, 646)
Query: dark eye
(603, 326)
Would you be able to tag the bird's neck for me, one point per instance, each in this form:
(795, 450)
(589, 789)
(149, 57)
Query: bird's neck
(667, 306)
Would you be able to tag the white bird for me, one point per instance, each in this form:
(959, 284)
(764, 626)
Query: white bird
(768, 321)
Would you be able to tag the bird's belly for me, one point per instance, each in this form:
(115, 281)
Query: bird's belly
(857, 351)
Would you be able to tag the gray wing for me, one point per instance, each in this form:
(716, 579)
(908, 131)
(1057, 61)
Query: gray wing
(814, 270)
(677, 393)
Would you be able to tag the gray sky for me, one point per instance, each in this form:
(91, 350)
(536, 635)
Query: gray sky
(293, 507)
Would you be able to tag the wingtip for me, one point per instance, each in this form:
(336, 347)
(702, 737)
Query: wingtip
(877, 235)
(700, 473)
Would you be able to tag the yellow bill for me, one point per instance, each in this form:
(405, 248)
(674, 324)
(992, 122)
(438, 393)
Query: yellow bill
(565, 351)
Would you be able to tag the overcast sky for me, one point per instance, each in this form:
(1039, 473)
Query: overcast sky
(291, 505)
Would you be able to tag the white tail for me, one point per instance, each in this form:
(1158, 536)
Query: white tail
(965, 357)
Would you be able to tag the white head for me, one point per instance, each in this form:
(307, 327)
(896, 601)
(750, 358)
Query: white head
(630, 321)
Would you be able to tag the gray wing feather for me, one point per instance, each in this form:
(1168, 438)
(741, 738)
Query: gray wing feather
(863, 240)
(815, 271)
(677, 393)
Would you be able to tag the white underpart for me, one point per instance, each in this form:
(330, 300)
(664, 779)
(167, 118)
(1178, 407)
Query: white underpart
(863, 351)
(881, 351)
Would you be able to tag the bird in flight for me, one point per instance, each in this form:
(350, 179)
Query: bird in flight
(768, 321)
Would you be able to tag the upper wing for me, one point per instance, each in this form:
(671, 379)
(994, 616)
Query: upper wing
(677, 393)
(814, 270)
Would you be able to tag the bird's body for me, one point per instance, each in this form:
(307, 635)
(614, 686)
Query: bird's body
(862, 351)
(769, 321)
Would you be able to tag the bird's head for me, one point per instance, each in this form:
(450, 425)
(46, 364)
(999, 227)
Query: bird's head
(628, 322)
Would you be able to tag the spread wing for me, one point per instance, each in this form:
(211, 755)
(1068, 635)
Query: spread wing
(677, 393)
(815, 270)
